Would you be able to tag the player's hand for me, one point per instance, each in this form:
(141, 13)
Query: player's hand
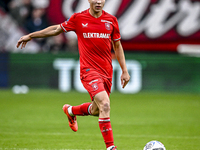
(125, 77)
(23, 41)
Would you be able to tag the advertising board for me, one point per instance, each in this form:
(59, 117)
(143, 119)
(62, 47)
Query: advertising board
(149, 72)
(150, 25)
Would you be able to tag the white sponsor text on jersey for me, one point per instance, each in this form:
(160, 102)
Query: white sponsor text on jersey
(96, 35)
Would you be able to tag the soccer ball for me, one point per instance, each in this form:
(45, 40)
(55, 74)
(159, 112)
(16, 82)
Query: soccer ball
(154, 145)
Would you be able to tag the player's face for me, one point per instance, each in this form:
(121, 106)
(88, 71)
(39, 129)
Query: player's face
(96, 5)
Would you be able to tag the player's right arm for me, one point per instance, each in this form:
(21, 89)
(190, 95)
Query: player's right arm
(47, 32)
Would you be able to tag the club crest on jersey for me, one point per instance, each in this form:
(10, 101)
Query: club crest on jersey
(107, 25)
(95, 86)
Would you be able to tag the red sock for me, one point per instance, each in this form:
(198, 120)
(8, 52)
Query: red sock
(82, 110)
(106, 130)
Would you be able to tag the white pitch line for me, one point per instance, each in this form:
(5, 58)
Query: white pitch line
(158, 136)
(117, 135)
(38, 149)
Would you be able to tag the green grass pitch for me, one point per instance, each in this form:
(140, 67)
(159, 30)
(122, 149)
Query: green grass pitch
(36, 121)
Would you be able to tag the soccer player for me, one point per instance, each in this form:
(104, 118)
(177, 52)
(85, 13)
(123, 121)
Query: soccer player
(97, 32)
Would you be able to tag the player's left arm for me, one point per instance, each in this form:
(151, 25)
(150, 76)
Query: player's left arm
(119, 53)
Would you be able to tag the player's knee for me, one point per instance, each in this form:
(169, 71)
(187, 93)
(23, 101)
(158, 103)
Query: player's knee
(105, 107)
(103, 103)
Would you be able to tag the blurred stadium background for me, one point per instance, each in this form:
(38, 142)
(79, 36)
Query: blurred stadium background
(161, 40)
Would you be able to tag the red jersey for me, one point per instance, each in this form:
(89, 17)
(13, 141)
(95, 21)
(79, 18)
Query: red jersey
(94, 40)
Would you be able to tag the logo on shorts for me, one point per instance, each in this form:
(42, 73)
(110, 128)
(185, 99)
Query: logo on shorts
(95, 86)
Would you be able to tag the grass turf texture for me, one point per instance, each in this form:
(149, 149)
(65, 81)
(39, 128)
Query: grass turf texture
(36, 121)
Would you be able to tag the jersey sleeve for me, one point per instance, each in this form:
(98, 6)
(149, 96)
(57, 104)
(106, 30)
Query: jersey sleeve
(116, 33)
(69, 25)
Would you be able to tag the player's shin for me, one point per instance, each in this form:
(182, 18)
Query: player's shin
(106, 130)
